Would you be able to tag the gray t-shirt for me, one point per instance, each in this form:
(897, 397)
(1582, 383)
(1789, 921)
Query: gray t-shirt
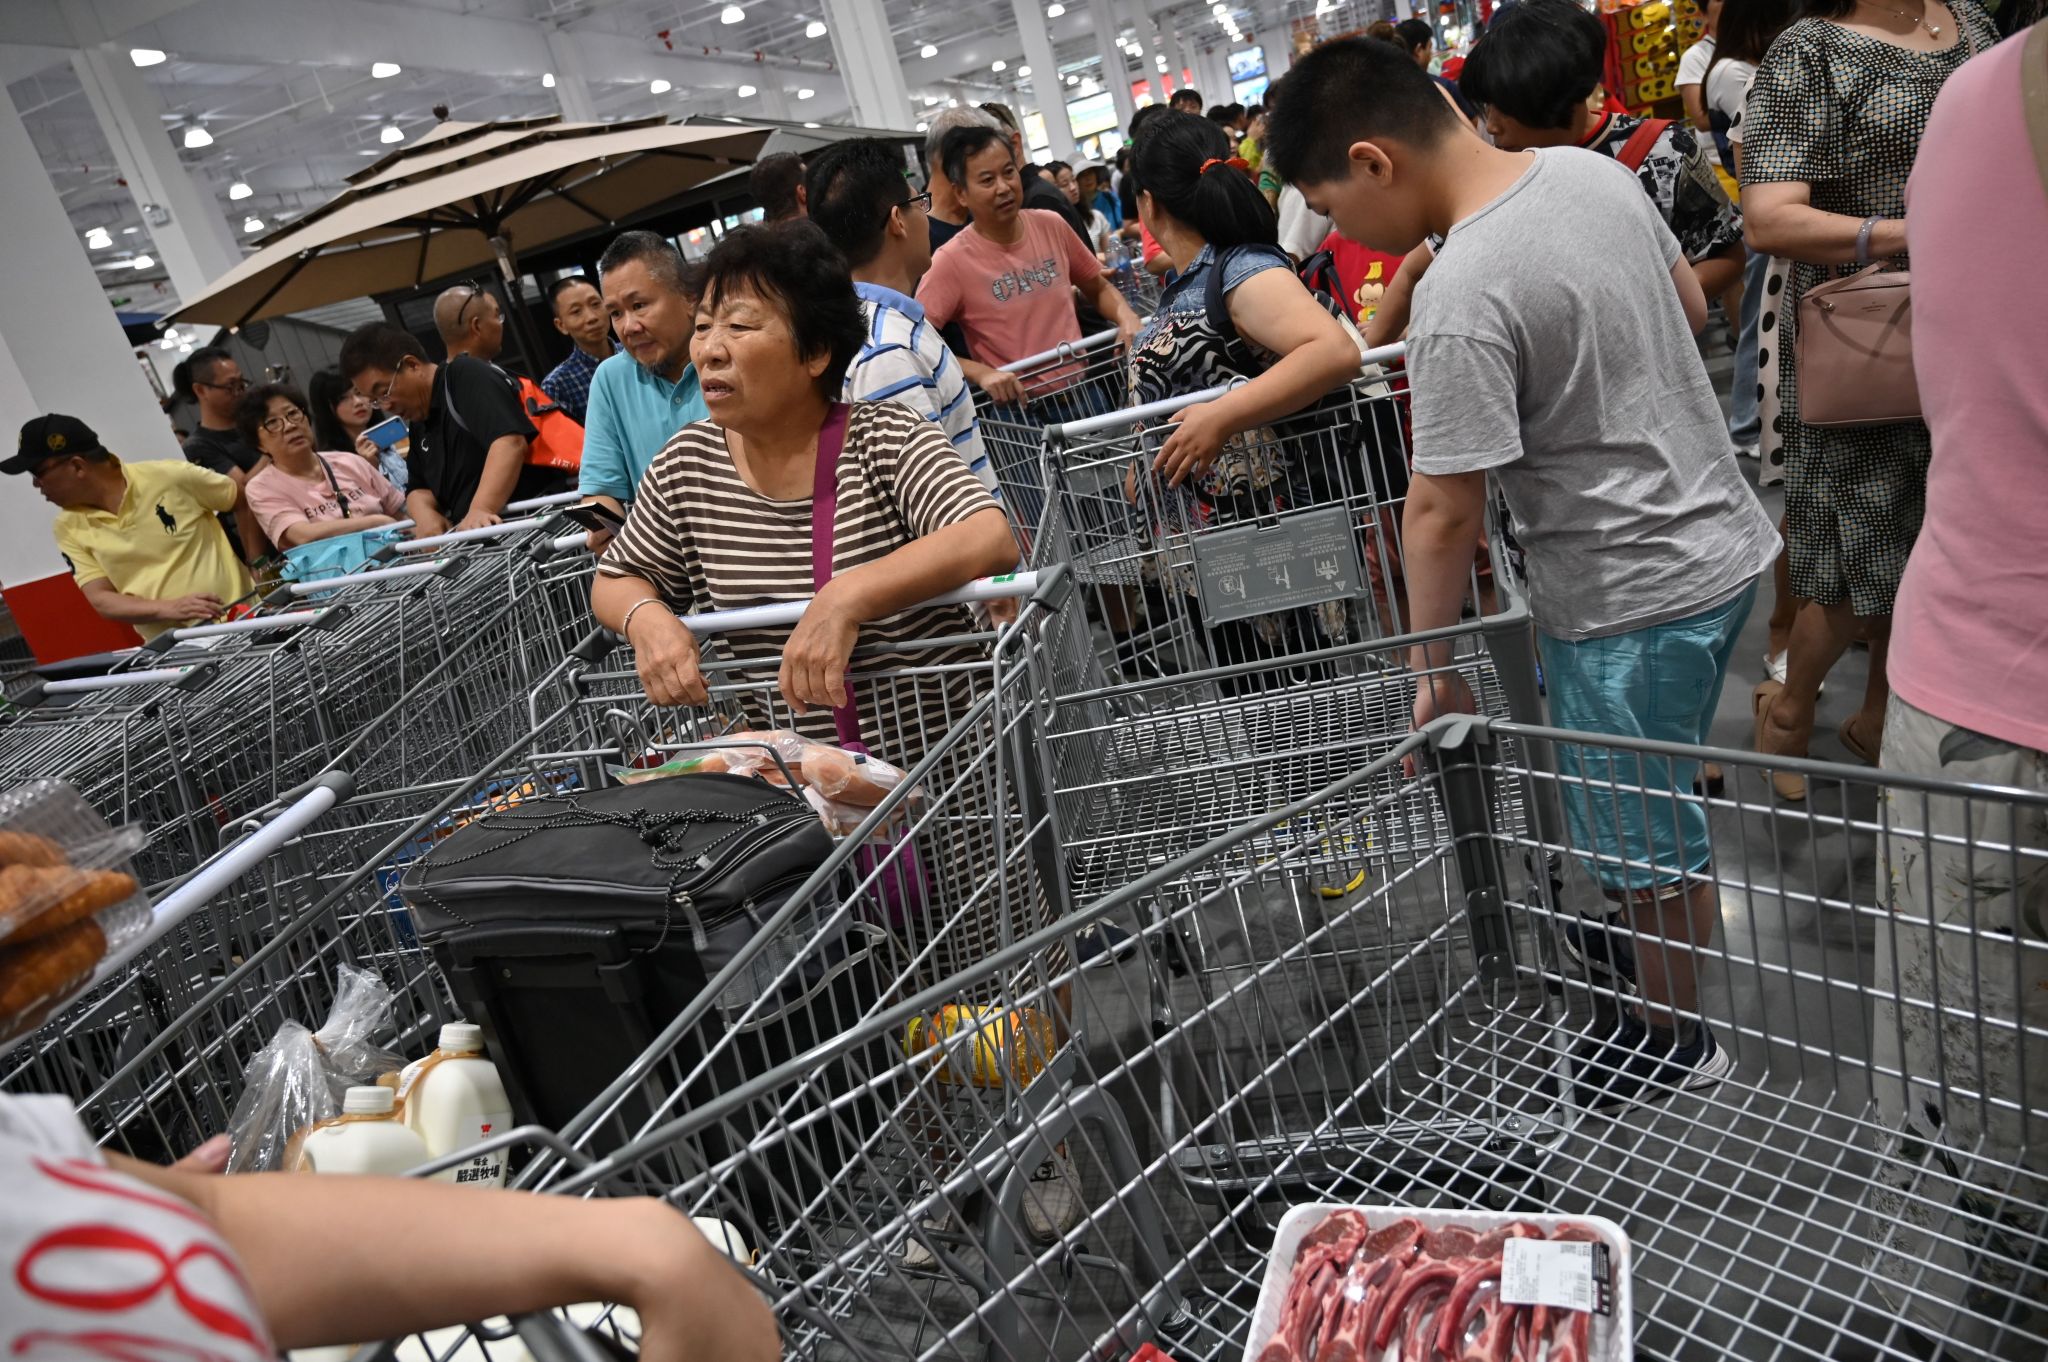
(1548, 345)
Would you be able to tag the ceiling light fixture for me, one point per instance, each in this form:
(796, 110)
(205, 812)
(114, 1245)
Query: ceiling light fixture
(130, 231)
(924, 127)
(252, 224)
(928, 51)
(810, 125)
(805, 93)
(930, 100)
(98, 239)
(732, 14)
(1073, 80)
(547, 81)
(142, 262)
(384, 70)
(169, 342)
(239, 190)
(815, 29)
(1023, 73)
(658, 86)
(146, 56)
(997, 65)
(391, 133)
(197, 137)
(1054, 11)
(747, 92)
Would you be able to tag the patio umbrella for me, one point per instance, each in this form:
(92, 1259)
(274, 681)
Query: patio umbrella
(467, 196)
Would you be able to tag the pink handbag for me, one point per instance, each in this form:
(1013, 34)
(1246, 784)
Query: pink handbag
(1855, 350)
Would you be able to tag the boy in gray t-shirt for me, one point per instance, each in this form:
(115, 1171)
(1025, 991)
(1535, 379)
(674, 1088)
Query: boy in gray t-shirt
(1551, 347)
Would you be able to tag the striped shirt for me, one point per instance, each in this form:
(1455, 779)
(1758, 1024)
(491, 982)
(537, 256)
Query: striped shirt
(904, 360)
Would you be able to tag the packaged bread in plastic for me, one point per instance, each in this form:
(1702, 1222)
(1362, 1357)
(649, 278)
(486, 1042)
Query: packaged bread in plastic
(68, 897)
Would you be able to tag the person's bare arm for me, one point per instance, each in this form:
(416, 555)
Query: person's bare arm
(1690, 296)
(1440, 524)
(1160, 263)
(1272, 310)
(1390, 322)
(467, 1253)
(1101, 292)
(425, 513)
(814, 660)
(664, 651)
(502, 464)
(1780, 219)
(310, 531)
(1694, 98)
(1719, 273)
(1000, 384)
(110, 604)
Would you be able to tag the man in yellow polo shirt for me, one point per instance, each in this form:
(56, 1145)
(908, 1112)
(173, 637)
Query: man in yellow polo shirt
(144, 540)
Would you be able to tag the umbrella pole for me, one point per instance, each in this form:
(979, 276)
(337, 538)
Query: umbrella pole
(530, 346)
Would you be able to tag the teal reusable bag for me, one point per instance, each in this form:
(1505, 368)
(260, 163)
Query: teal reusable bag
(344, 553)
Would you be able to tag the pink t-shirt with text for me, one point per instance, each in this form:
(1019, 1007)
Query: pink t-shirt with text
(1970, 632)
(1012, 301)
(281, 500)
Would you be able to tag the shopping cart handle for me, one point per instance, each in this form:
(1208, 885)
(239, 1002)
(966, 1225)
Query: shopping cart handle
(189, 674)
(1064, 350)
(594, 645)
(350, 580)
(559, 545)
(1009, 586)
(318, 617)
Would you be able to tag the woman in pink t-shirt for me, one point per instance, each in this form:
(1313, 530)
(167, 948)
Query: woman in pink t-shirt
(302, 495)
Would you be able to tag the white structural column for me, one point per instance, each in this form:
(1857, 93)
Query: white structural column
(868, 62)
(186, 227)
(1212, 70)
(1139, 13)
(1176, 54)
(60, 349)
(1046, 89)
(572, 87)
(1275, 39)
(1115, 74)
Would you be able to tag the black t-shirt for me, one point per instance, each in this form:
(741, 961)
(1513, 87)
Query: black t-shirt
(1041, 192)
(475, 404)
(223, 451)
(942, 232)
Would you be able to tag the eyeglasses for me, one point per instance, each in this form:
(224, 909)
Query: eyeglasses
(289, 419)
(237, 384)
(380, 396)
(922, 200)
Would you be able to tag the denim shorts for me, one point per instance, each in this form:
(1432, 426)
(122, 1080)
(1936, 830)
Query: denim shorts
(1634, 818)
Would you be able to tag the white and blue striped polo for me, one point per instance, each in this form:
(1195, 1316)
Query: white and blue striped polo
(904, 360)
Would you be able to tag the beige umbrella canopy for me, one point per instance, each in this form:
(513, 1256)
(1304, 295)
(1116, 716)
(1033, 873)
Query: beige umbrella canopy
(466, 197)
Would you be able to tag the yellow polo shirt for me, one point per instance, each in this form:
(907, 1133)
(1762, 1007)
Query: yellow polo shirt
(165, 541)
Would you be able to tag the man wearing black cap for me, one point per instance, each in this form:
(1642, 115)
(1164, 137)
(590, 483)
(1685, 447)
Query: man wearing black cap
(144, 540)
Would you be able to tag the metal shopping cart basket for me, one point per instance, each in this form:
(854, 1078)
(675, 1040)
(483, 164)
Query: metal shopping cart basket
(1865, 1182)
(1066, 383)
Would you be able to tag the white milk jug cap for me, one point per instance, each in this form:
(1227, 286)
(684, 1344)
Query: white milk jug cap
(462, 1036)
(367, 1102)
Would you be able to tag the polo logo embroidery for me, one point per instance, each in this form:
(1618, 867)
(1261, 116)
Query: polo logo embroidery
(170, 521)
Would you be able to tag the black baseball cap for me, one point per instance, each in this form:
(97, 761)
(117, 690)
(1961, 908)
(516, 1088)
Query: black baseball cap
(47, 437)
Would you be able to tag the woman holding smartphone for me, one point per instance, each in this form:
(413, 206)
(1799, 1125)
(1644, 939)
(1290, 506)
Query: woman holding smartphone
(344, 419)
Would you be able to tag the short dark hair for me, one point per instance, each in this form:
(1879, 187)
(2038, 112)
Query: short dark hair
(1237, 111)
(852, 186)
(254, 405)
(1219, 113)
(377, 345)
(1415, 33)
(963, 145)
(1144, 116)
(1538, 60)
(1177, 165)
(197, 367)
(655, 251)
(1351, 90)
(562, 286)
(794, 267)
(773, 183)
(1186, 94)
(1055, 167)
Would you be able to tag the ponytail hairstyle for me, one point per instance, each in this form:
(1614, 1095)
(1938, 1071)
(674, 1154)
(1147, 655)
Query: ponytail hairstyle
(1191, 171)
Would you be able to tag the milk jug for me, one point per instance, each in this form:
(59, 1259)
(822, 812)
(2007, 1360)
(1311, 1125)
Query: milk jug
(453, 1098)
(369, 1138)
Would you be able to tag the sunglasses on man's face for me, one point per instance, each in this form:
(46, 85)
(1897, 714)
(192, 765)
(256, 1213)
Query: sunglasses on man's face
(476, 291)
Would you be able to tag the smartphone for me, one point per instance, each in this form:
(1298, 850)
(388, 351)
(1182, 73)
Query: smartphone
(595, 515)
(386, 434)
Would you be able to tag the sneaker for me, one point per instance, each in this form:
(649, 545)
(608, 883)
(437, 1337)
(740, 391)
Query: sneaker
(1749, 451)
(1103, 943)
(1629, 1067)
(1604, 950)
(1052, 1199)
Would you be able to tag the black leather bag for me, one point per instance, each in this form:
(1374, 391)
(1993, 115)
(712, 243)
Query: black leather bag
(574, 928)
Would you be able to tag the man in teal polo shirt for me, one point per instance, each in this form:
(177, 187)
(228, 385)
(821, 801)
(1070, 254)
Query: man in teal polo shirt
(640, 398)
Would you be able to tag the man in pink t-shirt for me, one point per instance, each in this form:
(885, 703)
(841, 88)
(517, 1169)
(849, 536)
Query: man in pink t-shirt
(1963, 924)
(1009, 279)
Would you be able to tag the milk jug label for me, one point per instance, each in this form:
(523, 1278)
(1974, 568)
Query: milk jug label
(483, 1170)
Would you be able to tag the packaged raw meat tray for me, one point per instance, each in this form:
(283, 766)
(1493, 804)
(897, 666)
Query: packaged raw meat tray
(1392, 1284)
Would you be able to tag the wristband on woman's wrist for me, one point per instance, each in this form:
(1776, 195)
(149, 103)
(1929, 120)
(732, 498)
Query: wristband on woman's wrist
(626, 624)
(1863, 238)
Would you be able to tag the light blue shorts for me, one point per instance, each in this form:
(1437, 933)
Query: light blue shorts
(1634, 818)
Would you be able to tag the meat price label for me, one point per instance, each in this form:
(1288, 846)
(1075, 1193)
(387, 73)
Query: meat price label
(1563, 1275)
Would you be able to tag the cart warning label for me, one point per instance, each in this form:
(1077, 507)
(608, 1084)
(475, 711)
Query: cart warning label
(1564, 1276)
(1259, 569)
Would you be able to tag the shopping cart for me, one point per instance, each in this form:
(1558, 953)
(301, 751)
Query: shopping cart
(1066, 383)
(1866, 1182)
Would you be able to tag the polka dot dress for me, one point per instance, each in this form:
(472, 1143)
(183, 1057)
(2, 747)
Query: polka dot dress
(1842, 112)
